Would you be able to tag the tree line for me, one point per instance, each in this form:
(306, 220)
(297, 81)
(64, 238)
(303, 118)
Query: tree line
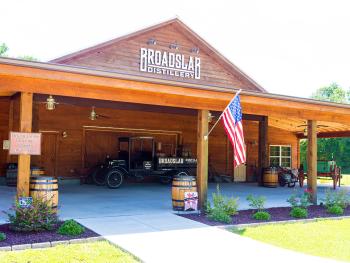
(331, 148)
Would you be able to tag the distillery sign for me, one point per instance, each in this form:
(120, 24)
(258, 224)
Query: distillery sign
(170, 64)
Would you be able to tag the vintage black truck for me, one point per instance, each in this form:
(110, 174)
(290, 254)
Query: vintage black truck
(137, 158)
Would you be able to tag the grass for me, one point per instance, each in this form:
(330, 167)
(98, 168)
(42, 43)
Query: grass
(324, 238)
(345, 180)
(99, 252)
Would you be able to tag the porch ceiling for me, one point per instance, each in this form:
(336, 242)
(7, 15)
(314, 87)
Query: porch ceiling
(324, 128)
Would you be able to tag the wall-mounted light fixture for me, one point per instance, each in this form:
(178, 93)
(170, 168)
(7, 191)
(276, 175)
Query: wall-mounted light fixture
(151, 41)
(174, 45)
(93, 114)
(210, 117)
(64, 134)
(195, 50)
(50, 103)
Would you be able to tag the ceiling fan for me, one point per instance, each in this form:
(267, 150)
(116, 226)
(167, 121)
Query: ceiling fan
(305, 127)
(93, 115)
(318, 126)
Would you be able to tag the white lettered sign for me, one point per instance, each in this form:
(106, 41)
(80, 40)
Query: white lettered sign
(171, 64)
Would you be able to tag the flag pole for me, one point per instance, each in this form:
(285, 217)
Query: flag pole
(212, 128)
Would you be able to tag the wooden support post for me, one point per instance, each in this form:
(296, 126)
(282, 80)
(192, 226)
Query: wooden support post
(263, 160)
(202, 157)
(312, 159)
(25, 125)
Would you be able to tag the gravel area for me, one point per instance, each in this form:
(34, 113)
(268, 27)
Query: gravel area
(277, 214)
(17, 238)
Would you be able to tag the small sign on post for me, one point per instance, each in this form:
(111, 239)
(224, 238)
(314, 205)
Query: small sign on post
(25, 202)
(25, 143)
(191, 201)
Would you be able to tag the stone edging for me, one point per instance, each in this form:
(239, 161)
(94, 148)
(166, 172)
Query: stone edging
(51, 244)
(239, 226)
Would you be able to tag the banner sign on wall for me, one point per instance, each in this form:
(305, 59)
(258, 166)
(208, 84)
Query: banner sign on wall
(169, 63)
(25, 143)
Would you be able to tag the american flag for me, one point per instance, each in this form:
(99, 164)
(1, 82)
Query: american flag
(232, 119)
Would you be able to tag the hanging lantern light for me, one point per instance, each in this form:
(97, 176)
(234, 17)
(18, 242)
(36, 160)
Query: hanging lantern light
(93, 114)
(305, 132)
(50, 103)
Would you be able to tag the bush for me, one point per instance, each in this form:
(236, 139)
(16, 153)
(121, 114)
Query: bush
(335, 210)
(298, 212)
(2, 236)
(220, 216)
(338, 198)
(39, 216)
(262, 215)
(71, 228)
(223, 208)
(300, 200)
(257, 202)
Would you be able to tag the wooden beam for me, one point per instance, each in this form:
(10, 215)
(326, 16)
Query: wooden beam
(46, 81)
(263, 159)
(202, 157)
(25, 125)
(333, 134)
(312, 159)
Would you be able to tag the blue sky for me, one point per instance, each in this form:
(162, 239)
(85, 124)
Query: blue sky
(289, 47)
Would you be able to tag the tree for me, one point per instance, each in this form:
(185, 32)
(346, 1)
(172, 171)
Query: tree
(4, 48)
(331, 148)
(332, 93)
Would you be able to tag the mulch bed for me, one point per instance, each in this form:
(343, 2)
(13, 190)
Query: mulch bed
(277, 214)
(18, 238)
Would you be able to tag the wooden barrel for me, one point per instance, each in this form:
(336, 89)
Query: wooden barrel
(270, 177)
(11, 173)
(37, 171)
(180, 185)
(46, 188)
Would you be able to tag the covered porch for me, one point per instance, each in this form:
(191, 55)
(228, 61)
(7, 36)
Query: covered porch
(28, 79)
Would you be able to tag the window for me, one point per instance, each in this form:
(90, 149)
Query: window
(281, 155)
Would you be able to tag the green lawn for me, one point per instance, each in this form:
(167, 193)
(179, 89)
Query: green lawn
(99, 252)
(345, 180)
(324, 238)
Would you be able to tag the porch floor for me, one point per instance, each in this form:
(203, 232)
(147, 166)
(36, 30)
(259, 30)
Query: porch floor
(89, 201)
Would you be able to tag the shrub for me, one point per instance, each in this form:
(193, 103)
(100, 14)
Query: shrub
(298, 212)
(39, 216)
(71, 228)
(300, 200)
(335, 210)
(262, 215)
(223, 208)
(257, 202)
(338, 198)
(220, 216)
(2, 236)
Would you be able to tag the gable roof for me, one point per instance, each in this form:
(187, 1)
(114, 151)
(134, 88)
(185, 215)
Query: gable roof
(186, 31)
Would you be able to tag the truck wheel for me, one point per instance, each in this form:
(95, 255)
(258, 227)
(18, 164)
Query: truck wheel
(99, 176)
(115, 179)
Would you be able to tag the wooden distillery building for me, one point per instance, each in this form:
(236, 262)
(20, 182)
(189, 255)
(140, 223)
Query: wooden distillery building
(164, 81)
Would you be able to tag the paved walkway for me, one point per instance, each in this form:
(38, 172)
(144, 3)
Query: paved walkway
(166, 237)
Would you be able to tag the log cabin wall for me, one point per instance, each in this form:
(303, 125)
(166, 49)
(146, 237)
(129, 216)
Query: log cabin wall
(88, 141)
(4, 130)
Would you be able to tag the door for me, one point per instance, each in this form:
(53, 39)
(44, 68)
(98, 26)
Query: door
(49, 150)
